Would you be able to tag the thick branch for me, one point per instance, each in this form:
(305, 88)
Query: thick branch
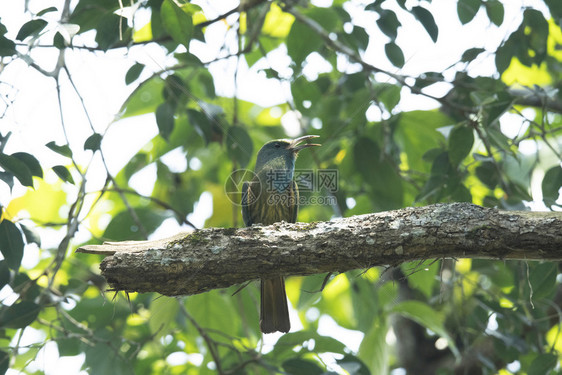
(220, 257)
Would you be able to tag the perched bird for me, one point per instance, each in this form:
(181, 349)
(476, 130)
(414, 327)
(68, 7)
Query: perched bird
(270, 197)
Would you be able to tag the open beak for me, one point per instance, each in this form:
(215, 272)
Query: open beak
(296, 147)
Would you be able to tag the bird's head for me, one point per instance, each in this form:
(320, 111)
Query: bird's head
(282, 151)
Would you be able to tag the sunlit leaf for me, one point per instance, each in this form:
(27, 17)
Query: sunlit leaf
(177, 22)
(373, 350)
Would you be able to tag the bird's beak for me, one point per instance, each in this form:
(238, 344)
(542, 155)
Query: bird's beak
(295, 143)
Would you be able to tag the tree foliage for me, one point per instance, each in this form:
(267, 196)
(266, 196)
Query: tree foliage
(491, 135)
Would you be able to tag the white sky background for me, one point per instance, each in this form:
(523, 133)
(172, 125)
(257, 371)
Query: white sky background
(34, 119)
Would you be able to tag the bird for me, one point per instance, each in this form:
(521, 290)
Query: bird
(270, 197)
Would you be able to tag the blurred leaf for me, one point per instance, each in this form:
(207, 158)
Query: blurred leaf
(11, 244)
(103, 359)
(33, 27)
(353, 365)
(543, 280)
(542, 364)
(471, 53)
(123, 227)
(461, 140)
(31, 236)
(467, 9)
(4, 273)
(163, 311)
(16, 167)
(422, 276)
(215, 309)
(495, 11)
(488, 174)
(177, 22)
(19, 315)
(424, 315)
(373, 350)
(551, 184)
(394, 54)
(109, 31)
(165, 119)
(426, 18)
(144, 99)
(4, 362)
(47, 10)
(63, 173)
(93, 142)
(31, 162)
(298, 366)
(239, 145)
(63, 150)
(298, 47)
(388, 23)
(133, 73)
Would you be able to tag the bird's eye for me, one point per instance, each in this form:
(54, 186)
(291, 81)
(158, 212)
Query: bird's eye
(277, 145)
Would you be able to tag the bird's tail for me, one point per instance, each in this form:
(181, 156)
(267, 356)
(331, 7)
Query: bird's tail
(274, 310)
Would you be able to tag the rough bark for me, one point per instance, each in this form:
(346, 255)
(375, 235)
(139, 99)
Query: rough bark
(212, 258)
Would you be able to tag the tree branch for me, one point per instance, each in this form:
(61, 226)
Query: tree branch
(220, 257)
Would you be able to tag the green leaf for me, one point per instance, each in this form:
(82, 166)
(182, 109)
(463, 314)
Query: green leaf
(47, 10)
(63, 150)
(394, 54)
(33, 27)
(542, 364)
(16, 167)
(7, 47)
(461, 140)
(543, 280)
(298, 47)
(239, 145)
(165, 119)
(373, 350)
(123, 227)
(298, 366)
(323, 344)
(103, 359)
(133, 73)
(551, 183)
(467, 9)
(471, 53)
(93, 142)
(177, 22)
(426, 18)
(424, 315)
(488, 174)
(63, 173)
(421, 276)
(108, 31)
(31, 236)
(31, 162)
(4, 273)
(19, 315)
(353, 365)
(4, 362)
(388, 23)
(495, 11)
(163, 311)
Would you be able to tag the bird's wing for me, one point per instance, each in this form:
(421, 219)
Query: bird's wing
(294, 209)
